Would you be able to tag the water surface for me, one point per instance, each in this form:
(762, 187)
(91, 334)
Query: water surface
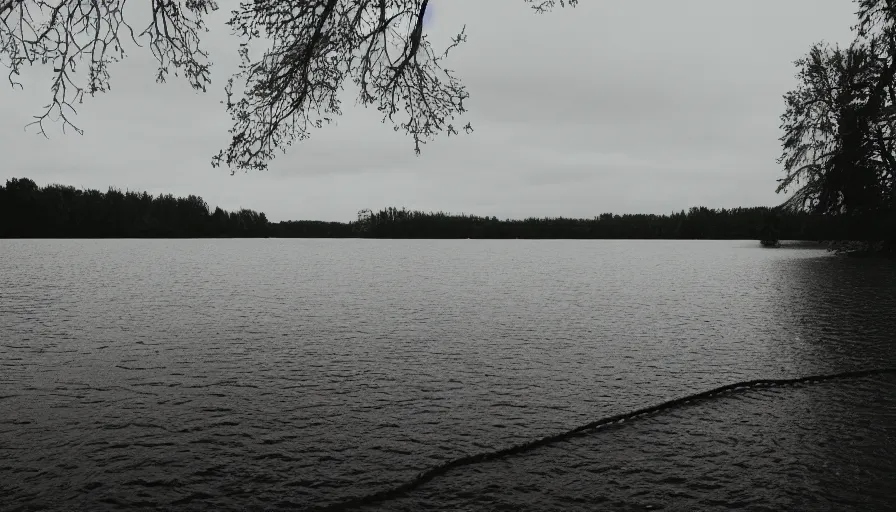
(265, 374)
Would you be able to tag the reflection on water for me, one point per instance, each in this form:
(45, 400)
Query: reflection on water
(233, 374)
(840, 310)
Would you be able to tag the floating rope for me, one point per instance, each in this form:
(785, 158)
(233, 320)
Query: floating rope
(431, 473)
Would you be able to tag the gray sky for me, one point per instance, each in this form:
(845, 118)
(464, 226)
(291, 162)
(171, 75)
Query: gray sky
(614, 106)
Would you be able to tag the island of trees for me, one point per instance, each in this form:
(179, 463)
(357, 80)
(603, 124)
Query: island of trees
(57, 211)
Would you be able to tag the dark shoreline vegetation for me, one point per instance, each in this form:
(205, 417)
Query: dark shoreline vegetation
(58, 211)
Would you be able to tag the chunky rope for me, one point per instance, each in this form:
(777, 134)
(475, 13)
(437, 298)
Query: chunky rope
(476, 458)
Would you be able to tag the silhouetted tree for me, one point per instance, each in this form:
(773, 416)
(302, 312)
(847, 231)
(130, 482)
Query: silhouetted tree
(27, 210)
(310, 48)
(700, 222)
(839, 137)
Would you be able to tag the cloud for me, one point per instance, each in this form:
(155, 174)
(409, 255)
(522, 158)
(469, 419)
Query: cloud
(616, 105)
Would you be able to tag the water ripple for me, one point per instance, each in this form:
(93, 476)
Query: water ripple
(210, 374)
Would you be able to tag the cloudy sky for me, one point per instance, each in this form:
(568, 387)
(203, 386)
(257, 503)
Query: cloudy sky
(616, 105)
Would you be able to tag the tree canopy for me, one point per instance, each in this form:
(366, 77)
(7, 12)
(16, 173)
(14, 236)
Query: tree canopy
(59, 211)
(839, 137)
(306, 52)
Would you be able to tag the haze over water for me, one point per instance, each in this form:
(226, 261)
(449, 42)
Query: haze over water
(267, 374)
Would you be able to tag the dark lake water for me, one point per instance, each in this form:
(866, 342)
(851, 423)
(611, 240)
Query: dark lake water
(280, 374)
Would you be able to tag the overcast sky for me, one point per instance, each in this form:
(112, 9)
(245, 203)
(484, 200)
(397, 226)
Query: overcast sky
(614, 106)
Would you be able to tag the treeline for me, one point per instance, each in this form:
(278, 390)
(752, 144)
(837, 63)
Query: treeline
(696, 223)
(57, 211)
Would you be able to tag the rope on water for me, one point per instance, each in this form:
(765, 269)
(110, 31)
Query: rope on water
(431, 473)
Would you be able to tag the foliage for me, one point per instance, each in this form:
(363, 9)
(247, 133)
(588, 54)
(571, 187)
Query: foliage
(835, 146)
(58, 211)
(27, 210)
(296, 57)
(839, 137)
(696, 223)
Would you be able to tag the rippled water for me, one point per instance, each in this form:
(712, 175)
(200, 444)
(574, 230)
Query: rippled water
(829, 446)
(266, 374)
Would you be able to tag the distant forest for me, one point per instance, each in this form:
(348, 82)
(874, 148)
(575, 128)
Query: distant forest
(57, 211)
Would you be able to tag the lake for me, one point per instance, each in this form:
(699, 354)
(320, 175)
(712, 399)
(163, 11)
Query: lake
(275, 374)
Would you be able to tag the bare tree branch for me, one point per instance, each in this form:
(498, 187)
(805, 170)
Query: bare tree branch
(81, 39)
(309, 48)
